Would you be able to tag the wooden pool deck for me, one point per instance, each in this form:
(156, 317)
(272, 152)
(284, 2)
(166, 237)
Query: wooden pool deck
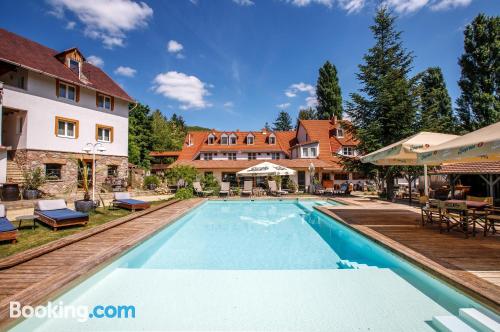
(59, 264)
(472, 265)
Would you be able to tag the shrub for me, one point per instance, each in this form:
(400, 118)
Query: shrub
(184, 193)
(151, 180)
(33, 179)
(209, 182)
(187, 173)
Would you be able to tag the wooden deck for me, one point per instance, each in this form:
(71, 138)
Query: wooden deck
(472, 265)
(39, 278)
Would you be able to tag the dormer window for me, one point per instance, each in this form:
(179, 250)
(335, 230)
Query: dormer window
(232, 139)
(340, 132)
(211, 139)
(272, 139)
(250, 139)
(74, 66)
(224, 139)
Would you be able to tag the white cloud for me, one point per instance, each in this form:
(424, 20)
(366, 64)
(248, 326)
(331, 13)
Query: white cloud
(70, 25)
(448, 4)
(283, 106)
(244, 2)
(294, 89)
(174, 46)
(228, 104)
(406, 6)
(95, 60)
(311, 101)
(351, 6)
(106, 20)
(190, 91)
(125, 71)
(303, 3)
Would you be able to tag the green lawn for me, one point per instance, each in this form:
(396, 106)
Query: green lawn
(30, 238)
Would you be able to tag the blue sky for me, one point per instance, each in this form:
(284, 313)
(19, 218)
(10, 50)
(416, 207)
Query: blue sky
(234, 64)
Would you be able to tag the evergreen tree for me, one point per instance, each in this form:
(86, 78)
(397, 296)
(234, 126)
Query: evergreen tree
(328, 93)
(307, 114)
(267, 126)
(383, 111)
(436, 113)
(283, 122)
(139, 138)
(479, 102)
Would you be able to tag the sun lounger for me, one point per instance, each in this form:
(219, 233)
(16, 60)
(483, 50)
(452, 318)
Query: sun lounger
(123, 200)
(247, 188)
(199, 190)
(56, 214)
(224, 189)
(319, 190)
(7, 231)
(273, 189)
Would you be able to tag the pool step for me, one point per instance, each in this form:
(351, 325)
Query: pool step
(450, 324)
(478, 320)
(347, 264)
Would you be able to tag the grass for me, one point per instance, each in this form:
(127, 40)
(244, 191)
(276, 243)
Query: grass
(30, 238)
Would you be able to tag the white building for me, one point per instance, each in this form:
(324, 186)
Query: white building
(54, 103)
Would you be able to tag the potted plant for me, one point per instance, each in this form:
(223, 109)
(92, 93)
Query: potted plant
(33, 180)
(85, 204)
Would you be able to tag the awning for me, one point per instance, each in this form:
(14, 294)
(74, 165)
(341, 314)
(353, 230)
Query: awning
(266, 169)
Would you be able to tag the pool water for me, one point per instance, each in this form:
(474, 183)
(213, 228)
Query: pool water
(260, 265)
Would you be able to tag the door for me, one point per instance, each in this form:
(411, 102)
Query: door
(301, 180)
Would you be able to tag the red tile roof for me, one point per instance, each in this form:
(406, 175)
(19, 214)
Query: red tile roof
(470, 168)
(26, 53)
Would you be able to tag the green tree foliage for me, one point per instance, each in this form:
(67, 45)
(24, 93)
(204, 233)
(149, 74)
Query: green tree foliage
(328, 93)
(167, 135)
(283, 122)
(187, 173)
(479, 102)
(307, 114)
(435, 111)
(267, 126)
(383, 111)
(139, 138)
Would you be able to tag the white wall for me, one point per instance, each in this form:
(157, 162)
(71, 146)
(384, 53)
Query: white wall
(43, 106)
(301, 134)
(242, 156)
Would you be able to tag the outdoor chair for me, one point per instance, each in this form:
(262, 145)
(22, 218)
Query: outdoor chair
(247, 188)
(318, 189)
(199, 190)
(123, 200)
(273, 189)
(428, 210)
(492, 217)
(8, 232)
(344, 190)
(55, 213)
(224, 189)
(454, 215)
(478, 216)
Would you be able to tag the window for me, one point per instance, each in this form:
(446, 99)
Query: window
(232, 140)
(223, 139)
(340, 132)
(313, 152)
(272, 140)
(347, 151)
(104, 102)
(249, 139)
(208, 156)
(67, 91)
(275, 155)
(252, 156)
(211, 139)
(74, 66)
(19, 125)
(67, 128)
(53, 172)
(104, 134)
(305, 152)
(231, 156)
(112, 170)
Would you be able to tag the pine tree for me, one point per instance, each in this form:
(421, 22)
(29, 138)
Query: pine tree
(328, 92)
(436, 113)
(479, 102)
(283, 122)
(384, 112)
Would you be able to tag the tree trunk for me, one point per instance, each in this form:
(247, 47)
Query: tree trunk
(389, 180)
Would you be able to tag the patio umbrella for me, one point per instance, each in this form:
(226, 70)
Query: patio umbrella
(266, 169)
(404, 152)
(482, 145)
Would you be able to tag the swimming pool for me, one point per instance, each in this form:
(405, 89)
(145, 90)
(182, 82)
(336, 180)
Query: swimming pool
(260, 265)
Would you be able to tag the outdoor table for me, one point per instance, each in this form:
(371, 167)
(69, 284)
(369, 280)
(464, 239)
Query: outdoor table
(29, 217)
(470, 204)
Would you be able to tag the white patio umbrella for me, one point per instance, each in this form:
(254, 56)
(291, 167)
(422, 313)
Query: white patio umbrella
(266, 169)
(404, 152)
(482, 145)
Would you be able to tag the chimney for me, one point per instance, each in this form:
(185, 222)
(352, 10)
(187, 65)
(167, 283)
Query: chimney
(334, 120)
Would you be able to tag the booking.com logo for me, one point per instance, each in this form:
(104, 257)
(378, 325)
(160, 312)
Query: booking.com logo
(81, 312)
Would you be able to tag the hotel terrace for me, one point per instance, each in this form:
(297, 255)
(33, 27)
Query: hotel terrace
(314, 143)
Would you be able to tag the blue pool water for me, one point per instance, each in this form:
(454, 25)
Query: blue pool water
(261, 265)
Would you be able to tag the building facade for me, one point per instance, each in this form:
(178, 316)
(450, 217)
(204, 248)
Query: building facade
(53, 104)
(313, 150)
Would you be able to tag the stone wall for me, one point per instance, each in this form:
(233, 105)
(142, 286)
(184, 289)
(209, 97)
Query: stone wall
(31, 159)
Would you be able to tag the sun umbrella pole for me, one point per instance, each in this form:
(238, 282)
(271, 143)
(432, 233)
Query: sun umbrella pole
(426, 182)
